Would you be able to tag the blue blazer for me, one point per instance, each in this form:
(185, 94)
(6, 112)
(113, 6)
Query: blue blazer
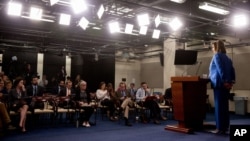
(221, 70)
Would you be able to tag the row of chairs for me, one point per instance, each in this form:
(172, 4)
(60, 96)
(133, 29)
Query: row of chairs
(51, 108)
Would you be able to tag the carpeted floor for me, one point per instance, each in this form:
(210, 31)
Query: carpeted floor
(116, 131)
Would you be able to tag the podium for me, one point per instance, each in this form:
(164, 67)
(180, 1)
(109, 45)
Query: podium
(189, 103)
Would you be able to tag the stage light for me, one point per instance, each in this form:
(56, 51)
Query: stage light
(36, 13)
(114, 27)
(240, 21)
(14, 9)
(65, 19)
(100, 12)
(129, 28)
(83, 23)
(175, 24)
(156, 34)
(78, 6)
(143, 30)
(213, 8)
(143, 19)
(157, 20)
(178, 1)
(52, 2)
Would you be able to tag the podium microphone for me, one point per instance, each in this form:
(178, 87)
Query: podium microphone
(198, 68)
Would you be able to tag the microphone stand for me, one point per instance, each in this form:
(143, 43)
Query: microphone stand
(196, 73)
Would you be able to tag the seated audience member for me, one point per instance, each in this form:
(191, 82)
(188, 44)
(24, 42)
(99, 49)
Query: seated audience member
(66, 93)
(77, 81)
(126, 101)
(18, 102)
(132, 91)
(56, 89)
(104, 97)
(143, 98)
(83, 99)
(4, 92)
(34, 90)
(113, 95)
(5, 120)
(44, 82)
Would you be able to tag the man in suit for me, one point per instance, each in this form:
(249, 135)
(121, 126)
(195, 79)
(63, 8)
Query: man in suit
(132, 91)
(66, 94)
(34, 91)
(126, 102)
(59, 87)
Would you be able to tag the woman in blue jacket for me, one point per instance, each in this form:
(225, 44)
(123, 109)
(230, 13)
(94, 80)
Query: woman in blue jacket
(222, 76)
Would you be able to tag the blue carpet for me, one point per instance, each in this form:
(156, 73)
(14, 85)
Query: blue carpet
(115, 131)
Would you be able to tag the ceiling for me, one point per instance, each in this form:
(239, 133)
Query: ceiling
(199, 26)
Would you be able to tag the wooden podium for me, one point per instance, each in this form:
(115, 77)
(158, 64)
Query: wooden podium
(189, 103)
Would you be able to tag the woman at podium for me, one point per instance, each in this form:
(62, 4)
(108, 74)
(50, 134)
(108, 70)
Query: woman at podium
(222, 76)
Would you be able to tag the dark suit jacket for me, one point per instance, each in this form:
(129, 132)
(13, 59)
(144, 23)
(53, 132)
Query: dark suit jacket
(63, 92)
(15, 99)
(40, 90)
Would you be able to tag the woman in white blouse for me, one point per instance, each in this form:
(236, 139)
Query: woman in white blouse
(104, 97)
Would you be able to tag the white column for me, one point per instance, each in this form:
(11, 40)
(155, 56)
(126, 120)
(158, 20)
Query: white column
(40, 58)
(68, 65)
(170, 70)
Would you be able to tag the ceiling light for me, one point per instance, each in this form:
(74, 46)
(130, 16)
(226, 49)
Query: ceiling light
(100, 12)
(36, 13)
(157, 20)
(83, 23)
(178, 1)
(78, 6)
(143, 19)
(143, 30)
(65, 19)
(213, 8)
(129, 28)
(156, 34)
(52, 2)
(114, 27)
(14, 9)
(240, 20)
(175, 24)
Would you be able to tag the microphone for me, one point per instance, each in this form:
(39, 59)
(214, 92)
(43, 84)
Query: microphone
(198, 68)
(185, 71)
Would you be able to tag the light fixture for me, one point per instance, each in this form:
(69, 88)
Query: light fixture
(14, 9)
(78, 6)
(100, 12)
(157, 20)
(240, 21)
(156, 34)
(65, 19)
(36, 13)
(52, 2)
(114, 27)
(83, 23)
(178, 1)
(129, 28)
(213, 8)
(175, 24)
(143, 30)
(143, 19)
